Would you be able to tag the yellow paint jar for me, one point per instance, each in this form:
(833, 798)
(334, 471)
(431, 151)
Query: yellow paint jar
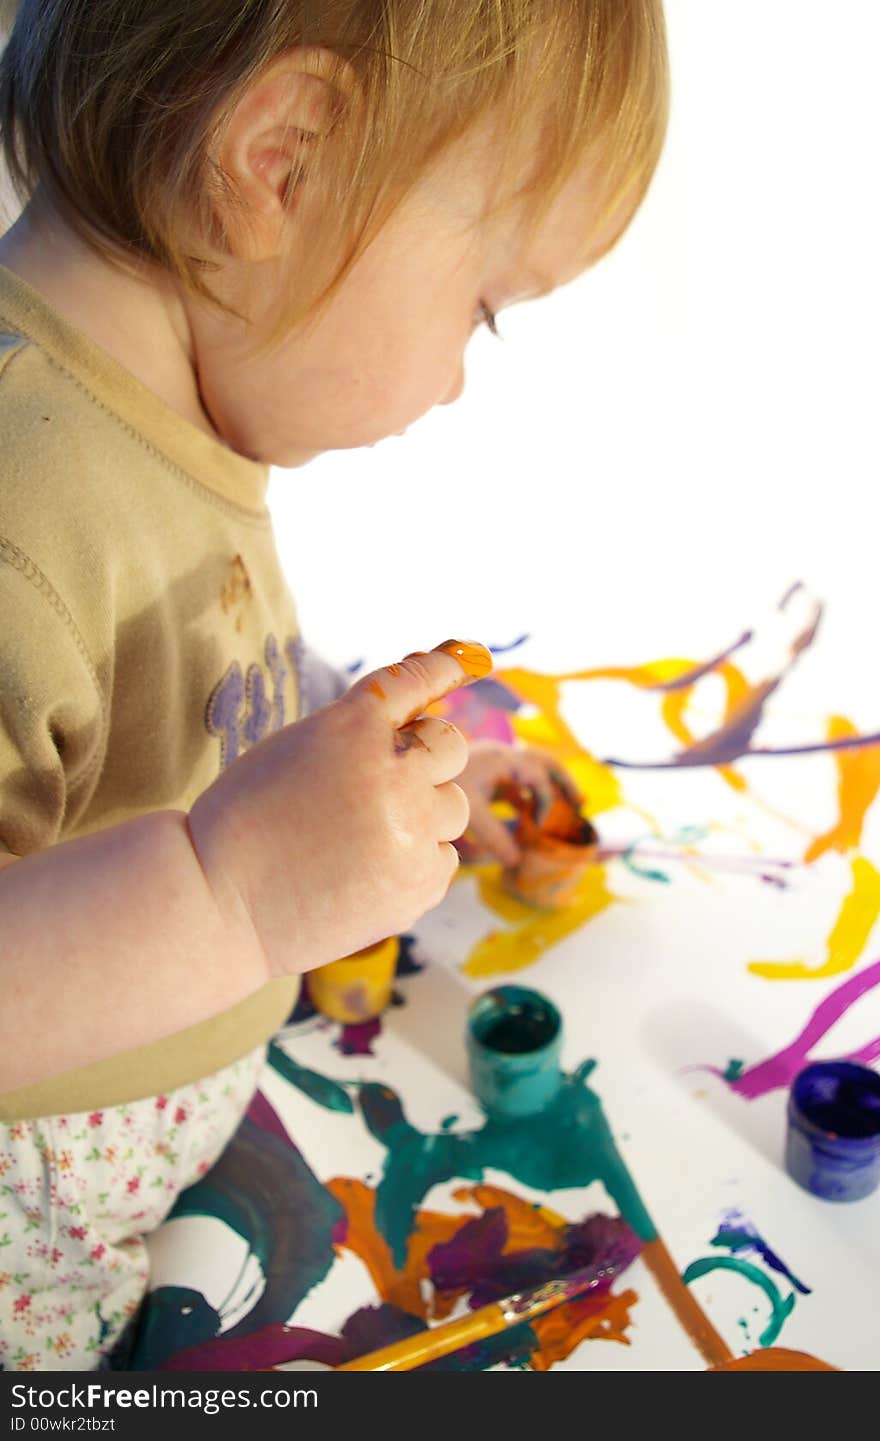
(358, 987)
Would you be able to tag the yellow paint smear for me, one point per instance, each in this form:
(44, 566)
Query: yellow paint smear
(549, 731)
(533, 932)
(858, 780)
(849, 935)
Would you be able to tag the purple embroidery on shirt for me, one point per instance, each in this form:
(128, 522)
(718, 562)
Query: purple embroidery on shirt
(222, 713)
(293, 649)
(259, 712)
(239, 712)
(278, 672)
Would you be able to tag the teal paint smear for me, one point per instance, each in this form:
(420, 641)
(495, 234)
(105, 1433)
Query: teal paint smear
(734, 1070)
(567, 1144)
(780, 1308)
(312, 1084)
(645, 872)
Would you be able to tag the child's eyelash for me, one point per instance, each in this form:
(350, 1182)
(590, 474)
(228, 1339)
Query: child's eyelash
(489, 319)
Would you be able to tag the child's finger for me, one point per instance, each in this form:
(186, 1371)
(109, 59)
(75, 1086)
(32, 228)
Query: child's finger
(490, 834)
(409, 687)
(452, 812)
(442, 745)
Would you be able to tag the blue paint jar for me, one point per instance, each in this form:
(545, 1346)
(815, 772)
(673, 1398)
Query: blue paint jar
(833, 1142)
(514, 1038)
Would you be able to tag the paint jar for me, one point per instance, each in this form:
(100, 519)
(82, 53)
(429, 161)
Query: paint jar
(833, 1142)
(514, 1038)
(556, 849)
(359, 986)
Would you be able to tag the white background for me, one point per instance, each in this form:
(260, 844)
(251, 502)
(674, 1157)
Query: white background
(656, 451)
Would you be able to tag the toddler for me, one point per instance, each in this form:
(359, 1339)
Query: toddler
(252, 231)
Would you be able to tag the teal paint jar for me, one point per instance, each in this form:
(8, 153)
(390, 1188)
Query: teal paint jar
(514, 1039)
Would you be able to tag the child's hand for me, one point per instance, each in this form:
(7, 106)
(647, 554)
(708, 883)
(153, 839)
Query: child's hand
(336, 832)
(494, 770)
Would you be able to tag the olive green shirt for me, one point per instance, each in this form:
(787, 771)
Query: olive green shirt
(148, 638)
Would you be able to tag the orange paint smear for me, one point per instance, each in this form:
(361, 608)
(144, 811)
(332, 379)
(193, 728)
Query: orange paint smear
(376, 689)
(474, 659)
(402, 1287)
(559, 1332)
(393, 669)
(528, 1225)
(594, 1318)
(858, 781)
(549, 731)
(775, 1358)
(687, 1310)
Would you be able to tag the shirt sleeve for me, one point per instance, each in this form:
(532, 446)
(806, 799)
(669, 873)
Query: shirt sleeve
(52, 717)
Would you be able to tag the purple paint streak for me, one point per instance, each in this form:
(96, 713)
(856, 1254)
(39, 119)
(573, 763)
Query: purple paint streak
(264, 1115)
(269, 1346)
(740, 1235)
(690, 677)
(732, 741)
(474, 1260)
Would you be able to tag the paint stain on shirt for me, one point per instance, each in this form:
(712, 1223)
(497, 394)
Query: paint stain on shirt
(236, 591)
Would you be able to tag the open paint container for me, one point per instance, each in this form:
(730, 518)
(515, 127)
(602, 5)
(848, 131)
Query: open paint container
(358, 987)
(833, 1142)
(557, 846)
(514, 1039)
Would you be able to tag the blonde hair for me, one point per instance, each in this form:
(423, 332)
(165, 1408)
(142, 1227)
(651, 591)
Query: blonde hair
(114, 108)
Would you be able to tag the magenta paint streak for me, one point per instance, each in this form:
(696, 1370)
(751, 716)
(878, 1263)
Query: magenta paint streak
(357, 1040)
(264, 1115)
(780, 1069)
(269, 1346)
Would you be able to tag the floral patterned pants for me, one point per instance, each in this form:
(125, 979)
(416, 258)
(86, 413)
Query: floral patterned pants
(79, 1193)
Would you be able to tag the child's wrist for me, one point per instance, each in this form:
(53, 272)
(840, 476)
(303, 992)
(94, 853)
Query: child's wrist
(226, 897)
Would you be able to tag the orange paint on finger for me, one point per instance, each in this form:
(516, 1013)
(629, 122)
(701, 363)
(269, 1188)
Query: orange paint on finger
(393, 669)
(474, 659)
(375, 688)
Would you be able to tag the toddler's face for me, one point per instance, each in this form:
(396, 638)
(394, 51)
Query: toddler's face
(390, 345)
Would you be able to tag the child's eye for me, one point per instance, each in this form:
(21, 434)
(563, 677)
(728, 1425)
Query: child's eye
(487, 318)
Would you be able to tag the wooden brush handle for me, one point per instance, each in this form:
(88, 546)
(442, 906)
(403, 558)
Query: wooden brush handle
(428, 1345)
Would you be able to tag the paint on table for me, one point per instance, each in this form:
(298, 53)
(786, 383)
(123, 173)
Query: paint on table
(520, 705)
(780, 1069)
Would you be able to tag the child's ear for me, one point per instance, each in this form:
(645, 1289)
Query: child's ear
(265, 143)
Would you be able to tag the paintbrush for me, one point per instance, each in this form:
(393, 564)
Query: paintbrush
(489, 1320)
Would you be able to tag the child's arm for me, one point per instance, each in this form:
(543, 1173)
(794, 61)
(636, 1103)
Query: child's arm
(328, 836)
(110, 942)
